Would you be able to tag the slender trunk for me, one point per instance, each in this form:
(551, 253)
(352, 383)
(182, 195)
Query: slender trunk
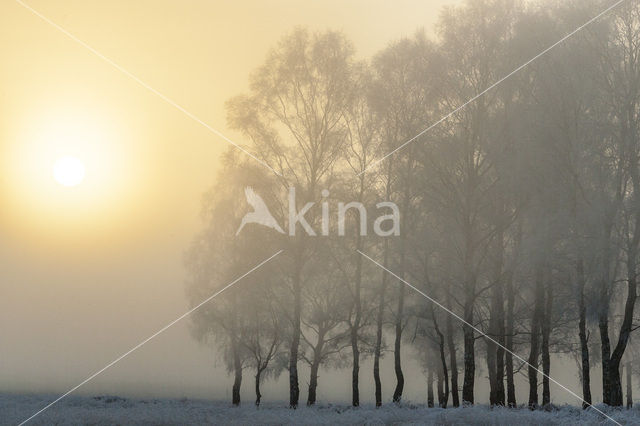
(510, 328)
(491, 370)
(546, 356)
(443, 374)
(237, 381)
(315, 365)
(376, 357)
(429, 387)
(397, 359)
(495, 353)
(455, 399)
(584, 338)
(294, 389)
(468, 332)
(258, 394)
(379, 323)
(313, 383)
(603, 313)
(508, 356)
(605, 349)
(629, 387)
(235, 349)
(500, 394)
(355, 392)
(445, 395)
(355, 327)
(535, 337)
(469, 354)
(376, 376)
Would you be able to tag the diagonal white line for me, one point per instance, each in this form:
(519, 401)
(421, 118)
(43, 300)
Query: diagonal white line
(149, 338)
(449, 311)
(494, 85)
(143, 84)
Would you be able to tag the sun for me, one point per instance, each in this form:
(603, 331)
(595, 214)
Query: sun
(68, 171)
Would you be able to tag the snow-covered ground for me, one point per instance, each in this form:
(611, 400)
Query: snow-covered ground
(105, 410)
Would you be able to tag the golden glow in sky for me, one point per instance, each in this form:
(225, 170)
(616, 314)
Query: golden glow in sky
(68, 171)
(146, 164)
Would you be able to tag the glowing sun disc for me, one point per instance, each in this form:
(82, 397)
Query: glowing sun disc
(68, 171)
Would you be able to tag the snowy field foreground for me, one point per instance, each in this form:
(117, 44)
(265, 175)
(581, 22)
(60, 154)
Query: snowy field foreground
(106, 410)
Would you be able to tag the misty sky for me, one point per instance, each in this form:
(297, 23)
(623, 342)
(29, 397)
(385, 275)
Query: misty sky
(85, 277)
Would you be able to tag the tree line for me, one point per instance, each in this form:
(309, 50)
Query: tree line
(520, 212)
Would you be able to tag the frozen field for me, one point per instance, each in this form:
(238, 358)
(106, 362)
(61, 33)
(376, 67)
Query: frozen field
(106, 410)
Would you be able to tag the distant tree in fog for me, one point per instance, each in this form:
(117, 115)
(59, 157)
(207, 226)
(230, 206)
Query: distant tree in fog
(520, 213)
(294, 116)
(242, 322)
